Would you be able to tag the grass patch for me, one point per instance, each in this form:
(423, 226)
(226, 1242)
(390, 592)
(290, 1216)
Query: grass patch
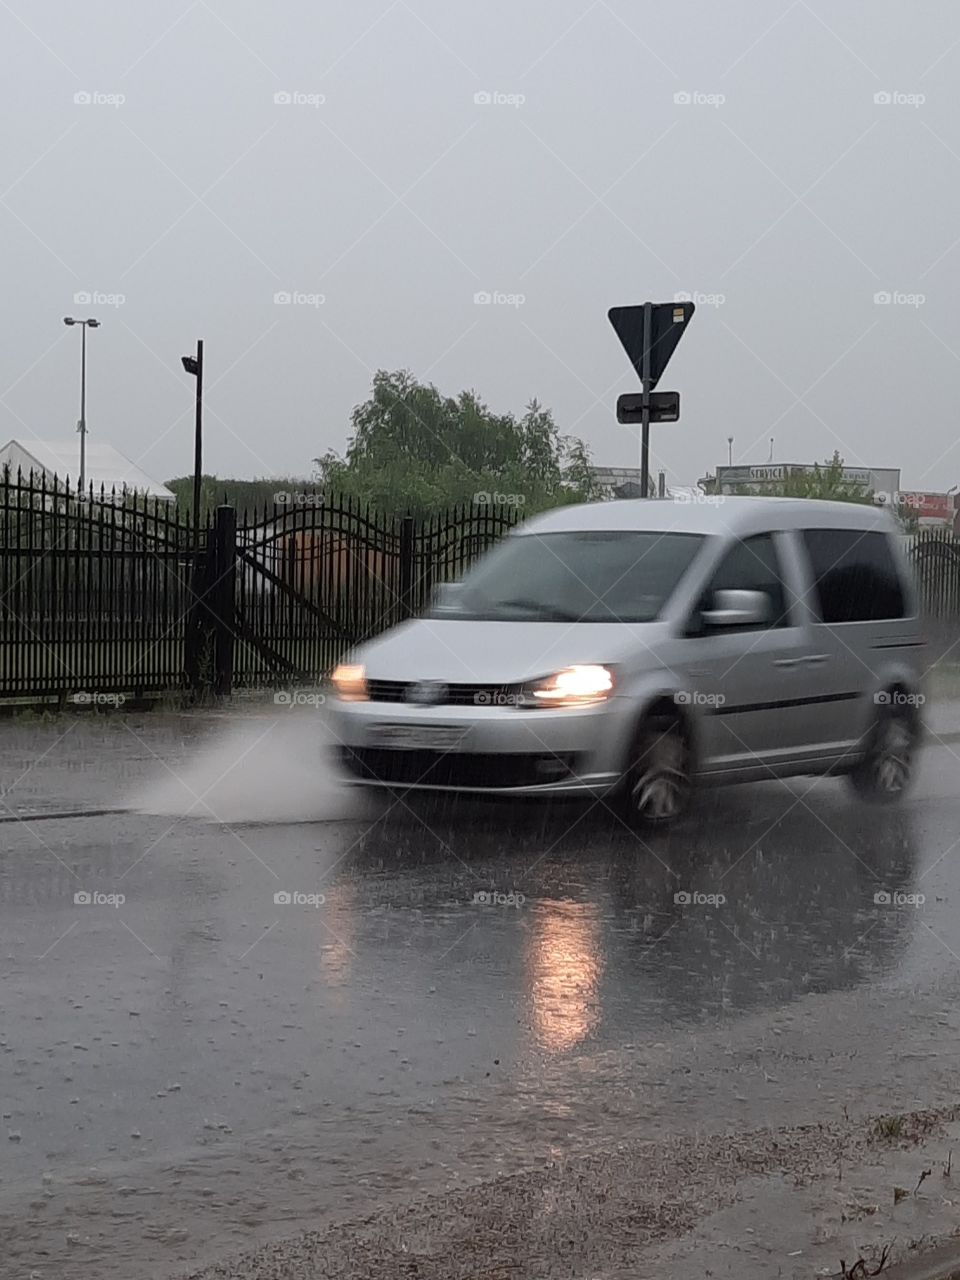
(889, 1128)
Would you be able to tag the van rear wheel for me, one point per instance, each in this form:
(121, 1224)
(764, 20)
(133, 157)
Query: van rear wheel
(656, 785)
(886, 769)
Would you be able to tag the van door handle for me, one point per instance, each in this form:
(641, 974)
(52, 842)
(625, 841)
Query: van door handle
(786, 662)
(814, 658)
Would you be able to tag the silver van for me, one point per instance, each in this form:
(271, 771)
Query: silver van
(639, 648)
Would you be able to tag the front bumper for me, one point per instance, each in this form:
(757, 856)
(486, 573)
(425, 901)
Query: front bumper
(485, 749)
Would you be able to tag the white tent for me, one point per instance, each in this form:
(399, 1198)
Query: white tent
(105, 466)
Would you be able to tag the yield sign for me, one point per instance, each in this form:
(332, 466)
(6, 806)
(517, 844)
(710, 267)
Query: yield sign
(668, 322)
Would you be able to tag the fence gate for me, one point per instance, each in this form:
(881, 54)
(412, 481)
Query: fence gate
(310, 581)
(317, 577)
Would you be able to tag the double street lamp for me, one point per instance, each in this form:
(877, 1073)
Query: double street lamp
(82, 425)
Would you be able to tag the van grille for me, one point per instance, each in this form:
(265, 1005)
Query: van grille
(454, 695)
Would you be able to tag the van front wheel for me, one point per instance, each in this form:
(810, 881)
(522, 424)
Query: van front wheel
(656, 783)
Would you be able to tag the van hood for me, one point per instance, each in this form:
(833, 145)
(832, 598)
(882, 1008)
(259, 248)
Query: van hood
(465, 652)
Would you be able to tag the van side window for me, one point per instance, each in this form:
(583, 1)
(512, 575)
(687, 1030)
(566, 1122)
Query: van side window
(855, 574)
(752, 565)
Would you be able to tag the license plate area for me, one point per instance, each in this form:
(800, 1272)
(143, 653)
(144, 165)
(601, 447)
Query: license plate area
(416, 737)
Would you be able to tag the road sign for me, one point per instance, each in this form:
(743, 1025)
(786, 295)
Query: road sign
(664, 407)
(668, 322)
(649, 334)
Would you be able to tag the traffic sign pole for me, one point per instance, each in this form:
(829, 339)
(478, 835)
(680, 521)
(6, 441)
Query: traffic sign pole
(649, 334)
(645, 406)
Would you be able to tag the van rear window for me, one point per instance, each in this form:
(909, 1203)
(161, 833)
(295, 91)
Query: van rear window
(856, 578)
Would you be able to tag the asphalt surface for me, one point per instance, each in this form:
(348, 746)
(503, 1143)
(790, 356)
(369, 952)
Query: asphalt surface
(460, 990)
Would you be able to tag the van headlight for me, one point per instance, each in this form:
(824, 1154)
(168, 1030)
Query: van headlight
(572, 687)
(349, 679)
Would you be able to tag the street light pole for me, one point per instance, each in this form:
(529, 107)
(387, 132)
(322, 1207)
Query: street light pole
(83, 408)
(194, 365)
(82, 425)
(193, 634)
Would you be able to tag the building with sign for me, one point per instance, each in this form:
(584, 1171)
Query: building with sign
(744, 479)
(621, 482)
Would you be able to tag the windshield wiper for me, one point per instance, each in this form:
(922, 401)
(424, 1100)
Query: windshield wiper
(547, 611)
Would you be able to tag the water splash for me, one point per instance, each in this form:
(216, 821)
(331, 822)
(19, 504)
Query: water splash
(263, 768)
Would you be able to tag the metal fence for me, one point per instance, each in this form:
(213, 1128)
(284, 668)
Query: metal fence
(936, 558)
(92, 592)
(109, 593)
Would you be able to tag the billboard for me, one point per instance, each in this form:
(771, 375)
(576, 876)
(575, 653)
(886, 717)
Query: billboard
(928, 506)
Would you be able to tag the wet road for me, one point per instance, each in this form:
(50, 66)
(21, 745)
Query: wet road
(449, 990)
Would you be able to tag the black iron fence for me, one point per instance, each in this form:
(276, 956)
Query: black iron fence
(91, 592)
(936, 559)
(109, 593)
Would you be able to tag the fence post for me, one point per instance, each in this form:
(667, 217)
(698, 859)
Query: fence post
(193, 629)
(406, 566)
(223, 598)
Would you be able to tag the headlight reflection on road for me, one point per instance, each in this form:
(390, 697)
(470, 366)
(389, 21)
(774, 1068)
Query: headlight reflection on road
(337, 937)
(565, 966)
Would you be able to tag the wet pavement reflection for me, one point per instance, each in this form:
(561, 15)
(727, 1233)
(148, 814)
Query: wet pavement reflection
(257, 976)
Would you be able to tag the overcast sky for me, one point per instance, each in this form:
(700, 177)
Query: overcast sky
(384, 197)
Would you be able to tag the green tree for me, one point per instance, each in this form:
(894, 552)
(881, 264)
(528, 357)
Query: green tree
(416, 450)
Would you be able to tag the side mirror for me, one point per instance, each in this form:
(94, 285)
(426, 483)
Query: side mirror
(445, 597)
(739, 609)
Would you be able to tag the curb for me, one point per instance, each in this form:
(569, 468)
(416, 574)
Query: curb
(49, 815)
(940, 1264)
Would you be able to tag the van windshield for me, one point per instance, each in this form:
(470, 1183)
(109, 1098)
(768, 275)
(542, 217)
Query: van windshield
(579, 576)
